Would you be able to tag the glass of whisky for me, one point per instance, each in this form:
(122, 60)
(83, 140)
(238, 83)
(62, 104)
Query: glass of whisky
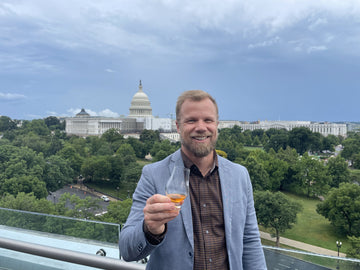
(177, 187)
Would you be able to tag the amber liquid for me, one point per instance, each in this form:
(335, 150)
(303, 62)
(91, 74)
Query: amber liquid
(176, 198)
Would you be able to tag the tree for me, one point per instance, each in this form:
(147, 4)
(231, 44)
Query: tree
(33, 141)
(117, 168)
(57, 173)
(6, 123)
(54, 123)
(338, 170)
(312, 176)
(275, 211)
(79, 208)
(132, 173)
(356, 161)
(342, 208)
(96, 168)
(351, 147)
(162, 149)
(112, 135)
(354, 250)
(150, 136)
(278, 141)
(329, 142)
(221, 153)
(37, 126)
(70, 154)
(117, 212)
(23, 183)
(300, 139)
(27, 202)
(275, 169)
(258, 175)
(127, 153)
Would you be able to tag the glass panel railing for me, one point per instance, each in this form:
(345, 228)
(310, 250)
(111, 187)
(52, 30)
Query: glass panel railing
(16, 255)
(279, 258)
(68, 233)
(80, 228)
(90, 237)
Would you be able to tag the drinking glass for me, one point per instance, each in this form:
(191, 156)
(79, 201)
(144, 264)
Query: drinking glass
(177, 187)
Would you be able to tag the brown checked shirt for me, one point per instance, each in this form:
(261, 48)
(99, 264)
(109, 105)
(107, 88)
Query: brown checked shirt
(208, 219)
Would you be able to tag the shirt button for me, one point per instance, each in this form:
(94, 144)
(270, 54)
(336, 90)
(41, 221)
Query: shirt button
(204, 205)
(210, 260)
(206, 231)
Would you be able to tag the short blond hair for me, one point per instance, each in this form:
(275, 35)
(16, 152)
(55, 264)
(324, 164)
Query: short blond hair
(194, 95)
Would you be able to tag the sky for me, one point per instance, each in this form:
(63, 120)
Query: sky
(260, 59)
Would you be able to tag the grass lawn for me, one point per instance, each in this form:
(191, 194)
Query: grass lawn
(312, 228)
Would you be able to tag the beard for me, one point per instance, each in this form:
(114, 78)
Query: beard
(198, 149)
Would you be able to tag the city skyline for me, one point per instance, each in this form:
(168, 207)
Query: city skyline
(284, 61)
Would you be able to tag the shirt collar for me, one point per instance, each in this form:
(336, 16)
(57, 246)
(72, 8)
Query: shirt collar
(188, 163)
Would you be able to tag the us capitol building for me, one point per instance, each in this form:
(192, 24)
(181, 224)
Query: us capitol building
(140, 117)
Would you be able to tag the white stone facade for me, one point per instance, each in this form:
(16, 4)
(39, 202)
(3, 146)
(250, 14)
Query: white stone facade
(96, 125)
(140, 117)
(324, 128)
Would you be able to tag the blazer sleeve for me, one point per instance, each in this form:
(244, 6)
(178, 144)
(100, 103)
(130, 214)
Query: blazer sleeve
(253, 254)
(132, 243)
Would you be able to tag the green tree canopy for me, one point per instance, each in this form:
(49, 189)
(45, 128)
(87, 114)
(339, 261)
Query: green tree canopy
(338, 170)
(342, 208)
(117, 212)
(312, 176)
(275, 211)
(354, 250)
(300, 139)
(6, 123)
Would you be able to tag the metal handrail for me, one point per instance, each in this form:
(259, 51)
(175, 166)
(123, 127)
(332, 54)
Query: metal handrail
(68, 255)
(312, 254)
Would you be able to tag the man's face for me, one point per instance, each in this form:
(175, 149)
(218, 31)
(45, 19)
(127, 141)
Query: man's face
(198, 127)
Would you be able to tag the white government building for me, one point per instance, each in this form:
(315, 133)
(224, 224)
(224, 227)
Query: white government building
(140, 117)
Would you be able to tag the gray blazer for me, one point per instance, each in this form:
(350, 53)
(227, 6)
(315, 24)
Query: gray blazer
(176, 250)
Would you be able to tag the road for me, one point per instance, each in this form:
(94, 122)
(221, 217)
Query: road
(81, 192)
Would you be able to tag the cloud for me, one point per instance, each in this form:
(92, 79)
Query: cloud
(11, 96)
(313, 49)
(110, 70)
(266, 43)
(105, 113)
(129, 28)
(318, 23)
(108, 113)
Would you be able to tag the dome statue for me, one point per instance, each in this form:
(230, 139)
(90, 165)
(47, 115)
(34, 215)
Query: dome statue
(140, 104)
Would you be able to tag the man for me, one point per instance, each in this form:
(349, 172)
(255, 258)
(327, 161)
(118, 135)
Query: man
(216, 227)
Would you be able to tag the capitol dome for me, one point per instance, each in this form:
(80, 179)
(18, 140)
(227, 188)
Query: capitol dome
(82, 113)
(140, 105)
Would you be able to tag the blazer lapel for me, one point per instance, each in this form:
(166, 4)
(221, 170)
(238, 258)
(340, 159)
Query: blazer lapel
(186, 216)
(226, 191)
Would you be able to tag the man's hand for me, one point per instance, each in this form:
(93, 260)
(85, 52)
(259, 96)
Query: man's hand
(159, 210)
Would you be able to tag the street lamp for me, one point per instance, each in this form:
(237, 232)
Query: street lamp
(338, 244)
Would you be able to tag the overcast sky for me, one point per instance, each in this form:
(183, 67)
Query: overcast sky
(261, 59)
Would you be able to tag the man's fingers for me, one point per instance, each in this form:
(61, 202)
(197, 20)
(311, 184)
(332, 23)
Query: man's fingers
(157, 198)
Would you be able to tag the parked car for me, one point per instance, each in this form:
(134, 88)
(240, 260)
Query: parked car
(105, 198)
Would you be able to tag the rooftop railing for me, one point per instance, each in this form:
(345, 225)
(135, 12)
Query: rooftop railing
(54, 243)
(65, 255)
